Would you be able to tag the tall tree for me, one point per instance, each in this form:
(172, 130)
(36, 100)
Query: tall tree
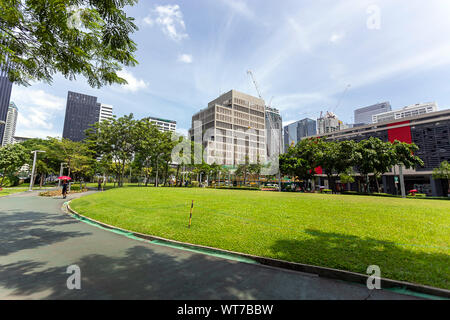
(117, 140)
(12, 158)
(73, 37)
(365, 160)
(301, 160)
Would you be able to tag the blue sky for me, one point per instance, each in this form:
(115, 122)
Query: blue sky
(303, 54)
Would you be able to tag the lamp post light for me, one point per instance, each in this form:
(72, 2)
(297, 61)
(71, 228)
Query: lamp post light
(61, 170)
(34, 167)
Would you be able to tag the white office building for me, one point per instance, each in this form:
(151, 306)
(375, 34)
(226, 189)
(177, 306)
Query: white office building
(406, 112)
(164, 125)
(106, 112)
(10, 126)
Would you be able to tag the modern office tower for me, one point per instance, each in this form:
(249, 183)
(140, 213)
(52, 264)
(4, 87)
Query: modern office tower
(106, 112)
(164, 125)
(82, 111)
(364, 115)
(298, 130)
(10, 127)
(5, 96)
(231, 129)
(329, 123)
(274, 132)
(406, 112)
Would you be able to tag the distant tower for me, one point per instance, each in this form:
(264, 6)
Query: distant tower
(10, 127)
(82, 111)
(5, 96)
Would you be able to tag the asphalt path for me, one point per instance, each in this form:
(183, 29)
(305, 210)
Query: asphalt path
(39, 242)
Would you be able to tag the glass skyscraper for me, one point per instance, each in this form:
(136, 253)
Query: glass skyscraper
(5, 97)
(82, 111)
(298, 130)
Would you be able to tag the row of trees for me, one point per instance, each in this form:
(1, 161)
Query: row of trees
(118, 147)
(370, 157)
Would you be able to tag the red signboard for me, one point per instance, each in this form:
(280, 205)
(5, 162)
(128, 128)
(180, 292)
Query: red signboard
(402, 134)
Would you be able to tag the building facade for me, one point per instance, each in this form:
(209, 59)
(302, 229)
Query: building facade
(5, 97)
(364, 115)
(329, 123)
(232, 129)
(82, 111)
(163, 124)
(10, 127)
(106, 112)
(429, 131)
(406, 112)
(20, 139)
(274, 132)
(296, 131)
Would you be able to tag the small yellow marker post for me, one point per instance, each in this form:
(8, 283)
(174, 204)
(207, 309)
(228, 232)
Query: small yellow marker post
(190, 217)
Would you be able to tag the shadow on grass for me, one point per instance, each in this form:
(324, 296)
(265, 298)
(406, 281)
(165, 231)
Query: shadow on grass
(352, 253)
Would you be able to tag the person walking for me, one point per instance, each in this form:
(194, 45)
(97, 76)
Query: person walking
(64, 188)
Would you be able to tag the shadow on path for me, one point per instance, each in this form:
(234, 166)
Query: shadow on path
(21, 230)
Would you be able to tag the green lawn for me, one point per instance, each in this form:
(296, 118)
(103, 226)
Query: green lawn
(8, 191)
(408, 238)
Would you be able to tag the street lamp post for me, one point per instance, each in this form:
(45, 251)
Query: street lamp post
(61, 172)
(34, 167)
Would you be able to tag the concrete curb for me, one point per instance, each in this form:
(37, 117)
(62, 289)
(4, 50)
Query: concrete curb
(293, 266)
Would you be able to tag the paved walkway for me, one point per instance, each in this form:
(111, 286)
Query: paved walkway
(38, 242)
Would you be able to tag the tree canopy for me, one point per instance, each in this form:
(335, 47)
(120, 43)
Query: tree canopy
(73, 37)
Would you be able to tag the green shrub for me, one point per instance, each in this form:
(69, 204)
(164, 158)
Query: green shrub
(195, 184)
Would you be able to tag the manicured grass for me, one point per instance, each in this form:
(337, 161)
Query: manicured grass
(408, 238)
(7, 191)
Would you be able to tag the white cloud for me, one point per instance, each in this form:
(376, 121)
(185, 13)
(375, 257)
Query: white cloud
(37, 110)
(170, 20)
(183, 131)
(134, 84)
(185, 58)
(241, 7)
(337, 37)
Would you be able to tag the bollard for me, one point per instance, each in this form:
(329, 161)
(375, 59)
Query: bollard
(190, 216)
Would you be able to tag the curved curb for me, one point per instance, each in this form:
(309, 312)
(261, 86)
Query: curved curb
(401, 287)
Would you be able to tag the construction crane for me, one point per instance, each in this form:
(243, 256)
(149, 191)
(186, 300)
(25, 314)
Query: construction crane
(342, 97)
(249, 72)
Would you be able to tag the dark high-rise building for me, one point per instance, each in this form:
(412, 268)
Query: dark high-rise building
(82, 111)
(364, 115)
(296, 131)
(5, 96)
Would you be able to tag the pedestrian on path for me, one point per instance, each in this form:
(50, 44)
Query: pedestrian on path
(64, 188)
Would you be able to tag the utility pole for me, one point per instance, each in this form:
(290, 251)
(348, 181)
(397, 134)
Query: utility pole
(402, 181)
(34, 167)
